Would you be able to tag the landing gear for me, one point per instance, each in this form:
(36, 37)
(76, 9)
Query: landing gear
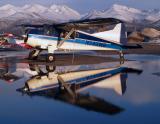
(50, 57)
(121, 55)
(50, 68)
(33, 55)
(34, 67)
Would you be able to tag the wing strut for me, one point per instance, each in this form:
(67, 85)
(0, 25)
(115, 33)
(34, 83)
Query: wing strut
(66, 38)
(66, 86)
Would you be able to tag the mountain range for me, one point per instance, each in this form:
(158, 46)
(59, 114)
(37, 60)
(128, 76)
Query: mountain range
(31, 12)
(11, 15)
(126, 14)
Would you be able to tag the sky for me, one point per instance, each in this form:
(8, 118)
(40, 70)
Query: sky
(84, 6)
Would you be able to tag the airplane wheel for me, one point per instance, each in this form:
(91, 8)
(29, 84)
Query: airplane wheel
(32, 55)
(50, 58)
(50, 68)
(121, 55)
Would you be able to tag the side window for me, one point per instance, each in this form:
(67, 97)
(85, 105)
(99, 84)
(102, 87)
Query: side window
(34, 31)
(46, 31)
(51, 32)
(54, 33)
(62, 35)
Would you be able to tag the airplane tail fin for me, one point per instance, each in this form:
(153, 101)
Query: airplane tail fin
(117, 35)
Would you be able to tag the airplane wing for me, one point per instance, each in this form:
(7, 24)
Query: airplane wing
(87, 23)
(35, 25)
(78, 25)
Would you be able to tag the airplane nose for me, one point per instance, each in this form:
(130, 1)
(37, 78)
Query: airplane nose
(24, 89)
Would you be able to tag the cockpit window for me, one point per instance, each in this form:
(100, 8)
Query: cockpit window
(49, 31)
(34, 31)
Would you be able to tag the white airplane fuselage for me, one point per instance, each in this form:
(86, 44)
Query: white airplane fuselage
(43, 41)
(83, 78)
(77, 40)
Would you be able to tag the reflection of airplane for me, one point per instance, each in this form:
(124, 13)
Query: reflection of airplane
(84, 101)
(99, 78)
(67, 87)
(11, 71)
(6, 71)
(69, 36)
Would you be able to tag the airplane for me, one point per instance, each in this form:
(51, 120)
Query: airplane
(9, 40)
(117, 75)
(84, 101)
(67, 87)
(11, 71)
(6, 72)
(78, 36)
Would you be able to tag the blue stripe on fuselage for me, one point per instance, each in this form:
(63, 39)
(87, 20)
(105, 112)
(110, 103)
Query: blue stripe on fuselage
(97, 76)
(97, 43)
(87, 80)
(93, 38)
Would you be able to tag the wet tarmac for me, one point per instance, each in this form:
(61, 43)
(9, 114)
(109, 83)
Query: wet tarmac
(79, 89)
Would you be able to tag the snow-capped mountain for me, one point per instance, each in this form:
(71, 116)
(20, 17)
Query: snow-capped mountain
(153, 15)
(156, 24)
(11, 16)
(125, 13)
(36, 11)
(61, 13)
